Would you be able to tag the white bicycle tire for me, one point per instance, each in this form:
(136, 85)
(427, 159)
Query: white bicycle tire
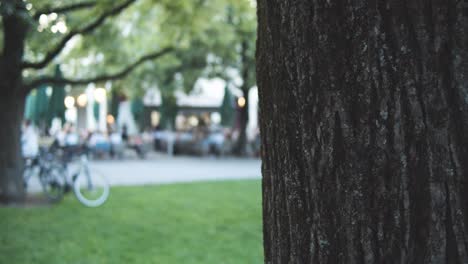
(77, 187)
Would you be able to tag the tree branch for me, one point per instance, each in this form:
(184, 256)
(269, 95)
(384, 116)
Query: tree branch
(65, 9)
(85, 30)
(51, 80)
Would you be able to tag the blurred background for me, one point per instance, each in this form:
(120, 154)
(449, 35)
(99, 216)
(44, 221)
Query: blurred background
(162, 95)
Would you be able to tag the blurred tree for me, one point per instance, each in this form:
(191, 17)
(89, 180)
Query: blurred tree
(246, 65)
(240, 20)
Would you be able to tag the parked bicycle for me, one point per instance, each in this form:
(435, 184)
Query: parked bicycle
(91, 189)
(61, 170)
(49, 172)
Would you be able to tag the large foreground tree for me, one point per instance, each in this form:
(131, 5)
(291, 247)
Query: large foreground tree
(364, 120)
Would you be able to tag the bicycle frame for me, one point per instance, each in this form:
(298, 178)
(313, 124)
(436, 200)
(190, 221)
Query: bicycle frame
(84, 168)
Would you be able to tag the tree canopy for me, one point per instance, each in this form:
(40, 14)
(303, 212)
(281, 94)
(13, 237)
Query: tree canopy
(189, 39)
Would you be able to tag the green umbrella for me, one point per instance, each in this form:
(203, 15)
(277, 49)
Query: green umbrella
(96, 108)
(168, 111)
(57, 105)
(138, 108)
(227, 109)
(41, 106)
(114, 104)
(30, 107)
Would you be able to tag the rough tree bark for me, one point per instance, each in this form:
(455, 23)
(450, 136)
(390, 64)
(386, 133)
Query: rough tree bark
(12, 100)
(11, 114)
(364, 121)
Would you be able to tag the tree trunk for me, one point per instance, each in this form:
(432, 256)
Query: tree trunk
(240, 147)
(12, 101)
(364, 131)
(11, 162)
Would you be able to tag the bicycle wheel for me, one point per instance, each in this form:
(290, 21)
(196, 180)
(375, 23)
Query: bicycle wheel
(91, 190)
(53, 182)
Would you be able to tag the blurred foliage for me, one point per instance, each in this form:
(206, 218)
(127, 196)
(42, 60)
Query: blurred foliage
(241, 18)
(209, 36)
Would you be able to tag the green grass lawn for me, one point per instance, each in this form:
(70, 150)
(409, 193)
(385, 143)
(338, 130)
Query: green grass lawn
(216, 222)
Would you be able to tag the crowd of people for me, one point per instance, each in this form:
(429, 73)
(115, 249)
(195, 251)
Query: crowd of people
(111, 143)
(200, 141)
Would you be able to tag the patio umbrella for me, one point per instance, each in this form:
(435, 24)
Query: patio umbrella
(96, 108)
(57, 105)
(226, 109)
(138, 108)
(168, 111)
(30, 107)
(114, 104)
(41, 106)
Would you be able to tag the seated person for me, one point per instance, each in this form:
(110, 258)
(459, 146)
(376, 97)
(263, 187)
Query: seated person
(29, 141)
(99, 143)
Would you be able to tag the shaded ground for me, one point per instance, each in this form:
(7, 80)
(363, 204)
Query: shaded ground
(214, 222)
(31, 200)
